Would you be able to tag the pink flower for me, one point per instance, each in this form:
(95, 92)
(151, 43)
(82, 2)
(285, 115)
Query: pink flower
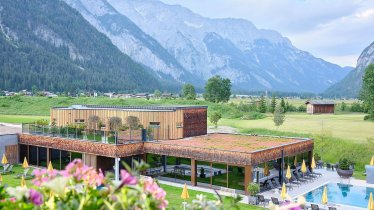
(156, 191)
(127, 179)
(35, 197)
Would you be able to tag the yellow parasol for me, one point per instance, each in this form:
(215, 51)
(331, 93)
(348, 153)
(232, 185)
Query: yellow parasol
(266, 170)
(23, 182)
(324, 196)
(295, 161)
(4, 161)
(313, 164)
(371, 202)
(185, 194)
(303, 167)
(372, 161)
(284, 191)
(50, 167)
(25, 164)
(288, 173)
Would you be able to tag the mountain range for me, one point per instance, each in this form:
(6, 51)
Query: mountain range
(185, 44)
(143, 45)
(351, 85)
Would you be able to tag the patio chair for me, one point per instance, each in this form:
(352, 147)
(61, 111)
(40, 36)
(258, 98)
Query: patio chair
(328, 166)
(261, 199)
(314, 207)
(275, 201)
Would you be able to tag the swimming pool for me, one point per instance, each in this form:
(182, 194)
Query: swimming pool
(341, 194)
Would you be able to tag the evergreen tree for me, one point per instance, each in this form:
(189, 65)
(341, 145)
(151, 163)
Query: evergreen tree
(217, 90)
(279, 116)
(273, 104)
(367, 91)
(283, 105)
(262, 105)
(188, 92)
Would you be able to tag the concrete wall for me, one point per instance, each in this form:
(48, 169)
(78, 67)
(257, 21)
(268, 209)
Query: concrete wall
(369, 174)
(9, 140)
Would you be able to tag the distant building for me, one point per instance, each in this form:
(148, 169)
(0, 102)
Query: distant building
(320, 107)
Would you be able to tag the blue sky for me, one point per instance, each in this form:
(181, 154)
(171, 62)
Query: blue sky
(335, 30)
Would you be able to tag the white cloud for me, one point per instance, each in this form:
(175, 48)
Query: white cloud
(336, 30)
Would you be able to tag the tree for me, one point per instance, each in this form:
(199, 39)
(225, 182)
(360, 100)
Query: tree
(132, 122)
(115, 123)
(189, 92)
(157, 94)
(214, 118)
(34, 90)
(283, 105)
(367, 91)
(93, 122)
(217, 90)
(262, 105)
(343, 106)
(273, 104)
(279, 116)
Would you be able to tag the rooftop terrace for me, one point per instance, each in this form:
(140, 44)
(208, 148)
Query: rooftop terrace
(132, 108)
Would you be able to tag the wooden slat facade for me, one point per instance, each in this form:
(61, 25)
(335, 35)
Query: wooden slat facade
(11, 152)
(171, 122)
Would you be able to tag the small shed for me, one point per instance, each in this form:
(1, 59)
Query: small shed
(320, 107)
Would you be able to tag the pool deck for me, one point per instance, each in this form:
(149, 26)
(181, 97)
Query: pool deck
(327, 177)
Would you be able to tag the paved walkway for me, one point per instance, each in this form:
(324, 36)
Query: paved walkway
(7, 128)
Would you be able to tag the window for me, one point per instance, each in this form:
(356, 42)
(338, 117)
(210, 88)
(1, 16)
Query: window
(154, 124)
(79, 121)
(179, 125)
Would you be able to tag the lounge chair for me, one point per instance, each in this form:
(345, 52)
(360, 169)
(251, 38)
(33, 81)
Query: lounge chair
(302, 178)
(315, 173)
(270, 183)
(314, 207)
(8, 170)
(261, 199)
(25, 174)
(310, 174)
(276, 183)
(332, 208)
(288, 183)
(294, 180)
(275, 201)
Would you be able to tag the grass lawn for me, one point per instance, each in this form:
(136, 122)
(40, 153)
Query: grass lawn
(175, 201)
(21, 118)
(343, 126)
(10, 179)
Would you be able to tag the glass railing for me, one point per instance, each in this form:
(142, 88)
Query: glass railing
(100, 136)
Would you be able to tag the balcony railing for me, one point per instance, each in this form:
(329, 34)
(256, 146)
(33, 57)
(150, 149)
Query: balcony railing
(100, 136)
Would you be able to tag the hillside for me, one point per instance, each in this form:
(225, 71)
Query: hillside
(254, 59)
(48, 44)
(350, 86)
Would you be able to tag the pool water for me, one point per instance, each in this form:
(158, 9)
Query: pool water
(341, 194)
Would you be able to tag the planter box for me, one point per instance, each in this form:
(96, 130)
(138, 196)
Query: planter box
(345, 173)
(369, 174)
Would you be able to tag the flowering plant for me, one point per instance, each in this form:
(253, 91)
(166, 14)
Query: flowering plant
(82, 187)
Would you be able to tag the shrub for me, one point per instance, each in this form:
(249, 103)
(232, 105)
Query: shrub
(301, 108)
(253, 189)
(253, 116)
(344, 164)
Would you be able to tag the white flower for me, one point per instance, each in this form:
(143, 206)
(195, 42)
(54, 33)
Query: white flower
(18, 192)
(57, 185)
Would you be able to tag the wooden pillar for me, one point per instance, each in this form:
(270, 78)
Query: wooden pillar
(227, 175)
(193, 172)
(144, 157)
(247, 176)
(48, 155)
(211, 174)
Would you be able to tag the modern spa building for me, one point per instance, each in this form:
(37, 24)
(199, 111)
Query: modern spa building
(183, 152)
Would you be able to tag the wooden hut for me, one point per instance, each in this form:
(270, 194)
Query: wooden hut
(320, 107)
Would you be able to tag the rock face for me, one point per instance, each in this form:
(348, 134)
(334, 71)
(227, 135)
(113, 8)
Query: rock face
(350, 86)
(182, 45)
(50, 45)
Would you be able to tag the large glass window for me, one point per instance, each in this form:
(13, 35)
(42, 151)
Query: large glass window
(23, 152)
(42, 157)
(76, 155)
(55, 158)
(65, 158)
(33, 155)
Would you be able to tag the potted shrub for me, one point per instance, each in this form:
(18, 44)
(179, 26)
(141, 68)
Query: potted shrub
(344, 169)
(253, 190)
